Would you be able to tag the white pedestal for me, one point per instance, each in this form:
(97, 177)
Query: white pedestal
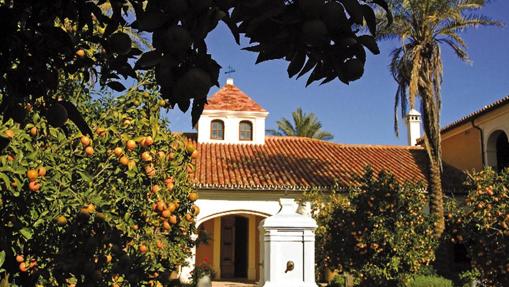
(288, 239)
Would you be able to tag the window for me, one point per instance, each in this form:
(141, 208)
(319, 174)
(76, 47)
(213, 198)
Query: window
(245, 131)
(217, 130)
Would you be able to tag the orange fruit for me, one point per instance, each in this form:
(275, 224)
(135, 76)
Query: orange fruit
(195, 154)
(150, 170)
(146, 141)
(172, 206)
(160, 244)
(169, 186)
(131, 145)
(41, 171)
(22, 267)
(118, 151)
(10, 157)
(61, 220)
(33, 263)
(168, 180)
(89, 150)
(145, 156)
(189, 217)
(108, 258)
(155, 188)
(171, 156)
(33, 131)
(161, 206)
(100, 132)
(80, 53)
(20, 259)
(85, 141)
(166, 213)
(195, 209)
(166, 225)
(32, 174)
(172, 219)
(34, 186)
(9, 134)
(124, 160)
(193, 196)
(143, 249)
(90, 208)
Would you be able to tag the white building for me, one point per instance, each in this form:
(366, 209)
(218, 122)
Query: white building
(242, 174)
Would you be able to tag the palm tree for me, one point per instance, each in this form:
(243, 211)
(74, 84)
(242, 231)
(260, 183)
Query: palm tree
(423, 27)
(304, 125)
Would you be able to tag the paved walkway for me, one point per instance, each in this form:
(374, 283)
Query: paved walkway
(232, 284)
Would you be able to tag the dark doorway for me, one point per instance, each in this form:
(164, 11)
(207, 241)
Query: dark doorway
(234, 236)
(502, 152)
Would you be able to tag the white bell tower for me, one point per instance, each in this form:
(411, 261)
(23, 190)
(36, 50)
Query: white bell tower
(413, 122)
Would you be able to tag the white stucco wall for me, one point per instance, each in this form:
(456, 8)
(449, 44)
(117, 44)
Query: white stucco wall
(218, 203)
(231, 121)
(490, 123)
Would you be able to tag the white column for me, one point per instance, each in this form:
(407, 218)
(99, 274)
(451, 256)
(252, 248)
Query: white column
(289, 240)
(251, 258)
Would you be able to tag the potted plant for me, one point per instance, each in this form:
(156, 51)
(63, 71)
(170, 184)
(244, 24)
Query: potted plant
(203, 274)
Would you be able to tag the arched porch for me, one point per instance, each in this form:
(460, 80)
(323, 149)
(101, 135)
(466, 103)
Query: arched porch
(229, 242)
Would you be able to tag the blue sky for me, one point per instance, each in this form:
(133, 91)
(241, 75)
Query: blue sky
(362, 112)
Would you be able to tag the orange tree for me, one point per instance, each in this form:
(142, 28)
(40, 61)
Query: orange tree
(115, 210)
(378, 232)
(482, 225)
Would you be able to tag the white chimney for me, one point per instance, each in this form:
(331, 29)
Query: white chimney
(229, 82)
(413, 122)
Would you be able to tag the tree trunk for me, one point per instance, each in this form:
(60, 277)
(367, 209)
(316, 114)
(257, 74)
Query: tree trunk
(436, 197)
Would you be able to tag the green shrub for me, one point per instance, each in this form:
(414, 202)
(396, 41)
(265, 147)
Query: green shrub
(379, 232)
(337, 281)
(482, 225)
(429, 281)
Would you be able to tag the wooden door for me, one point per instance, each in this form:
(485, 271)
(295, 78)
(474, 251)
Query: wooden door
(228, 247)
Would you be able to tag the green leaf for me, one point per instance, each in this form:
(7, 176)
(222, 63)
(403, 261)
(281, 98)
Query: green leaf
(26, 232)
(2, 258)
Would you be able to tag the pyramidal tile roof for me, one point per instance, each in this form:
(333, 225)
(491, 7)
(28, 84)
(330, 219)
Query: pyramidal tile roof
(231, 98)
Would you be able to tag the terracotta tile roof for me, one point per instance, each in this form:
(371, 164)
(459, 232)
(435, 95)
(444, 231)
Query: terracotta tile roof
(231, 98)
(295, 163)
(488, 108)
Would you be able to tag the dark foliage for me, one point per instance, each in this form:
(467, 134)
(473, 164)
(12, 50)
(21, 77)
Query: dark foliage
(42, 41)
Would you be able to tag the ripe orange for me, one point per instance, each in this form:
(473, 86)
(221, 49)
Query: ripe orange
(155, 188)
(85, 141)
(20, 259)
(193, 196)
(168, 180)
(143, 249)
(41, 171)
(195, 209)
(33, 263)
(171, 156)
(195, 154)
(160, 244)
(124, 160)
(32, 174)
(190, 148)
(169, 186)
(34, 186)
(172, 206)
(145, 156)
(9, 134)
(118, 151)
(131, 145)
(10, 157)
(33, 131)
(166, 213)
(100, 132)
(161, 206)
(172, 219)
(89, 150)
(61, 220)
(90, 208)
(150, 170)
(22, 267)
(146, 141)
(108, 258)
(189, 217)
(166, 225)
(80, 53)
